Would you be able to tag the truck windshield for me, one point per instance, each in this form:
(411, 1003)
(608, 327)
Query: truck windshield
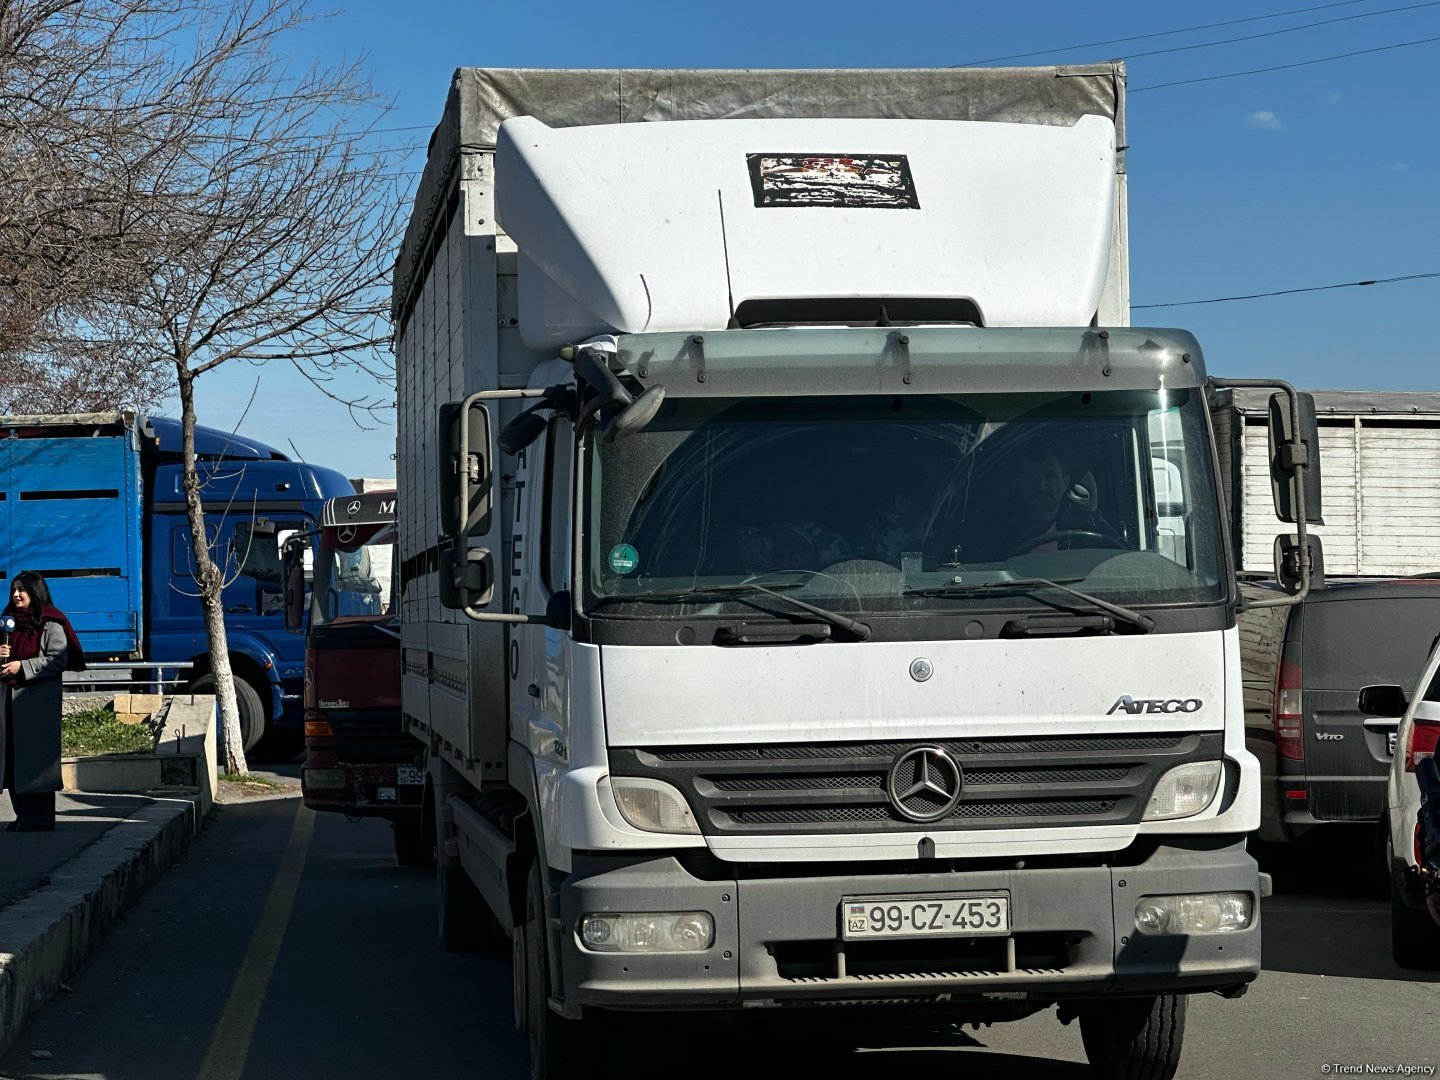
(895, 504)
(353, 578)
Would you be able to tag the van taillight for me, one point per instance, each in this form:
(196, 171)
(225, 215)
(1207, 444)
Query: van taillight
(1424, 737)
(1289, 730)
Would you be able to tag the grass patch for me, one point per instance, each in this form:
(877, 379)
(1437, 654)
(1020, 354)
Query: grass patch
(91, 732)
(252, 780)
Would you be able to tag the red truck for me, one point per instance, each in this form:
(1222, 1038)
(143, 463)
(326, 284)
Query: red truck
(359, 761)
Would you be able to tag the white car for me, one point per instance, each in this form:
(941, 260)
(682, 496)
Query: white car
(1414, 933)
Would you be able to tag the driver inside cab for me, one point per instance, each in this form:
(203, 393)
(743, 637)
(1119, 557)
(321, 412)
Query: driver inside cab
(1040, 509)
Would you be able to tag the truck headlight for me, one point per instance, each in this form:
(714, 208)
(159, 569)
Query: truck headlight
(652, 805)
(1198, 913)
(1184, 790)
(322, 779)
(648, 932)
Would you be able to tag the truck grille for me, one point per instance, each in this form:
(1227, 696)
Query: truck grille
(1006, 782)
(371, 737)
(1047, 953)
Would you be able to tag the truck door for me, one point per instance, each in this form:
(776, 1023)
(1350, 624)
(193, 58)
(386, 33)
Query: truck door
(540, 689)
(253, 586)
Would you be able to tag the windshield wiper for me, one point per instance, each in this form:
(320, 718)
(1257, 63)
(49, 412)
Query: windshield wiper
(742, 588)
(963, 588)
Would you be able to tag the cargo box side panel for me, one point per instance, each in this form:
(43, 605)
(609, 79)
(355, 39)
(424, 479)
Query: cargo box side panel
(73, 514)
(1398, 465)
(1260, 526)
(449, 345)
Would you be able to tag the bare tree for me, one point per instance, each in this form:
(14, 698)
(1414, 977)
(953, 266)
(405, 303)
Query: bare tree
(258, 225)
(81, 85)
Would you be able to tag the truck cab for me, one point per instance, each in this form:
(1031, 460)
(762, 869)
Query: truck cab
(358, 760)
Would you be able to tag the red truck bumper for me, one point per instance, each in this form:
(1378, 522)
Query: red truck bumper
(390, 791)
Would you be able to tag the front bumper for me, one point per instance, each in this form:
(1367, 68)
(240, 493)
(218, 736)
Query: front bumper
(778, 942)
(366, 791)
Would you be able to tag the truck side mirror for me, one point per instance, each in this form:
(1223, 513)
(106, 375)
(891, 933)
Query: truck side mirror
(292, 573)
(1388, 701)
(467, 580)
(1294, 452)
(1287, 562)
(464, 474)
(558, 615)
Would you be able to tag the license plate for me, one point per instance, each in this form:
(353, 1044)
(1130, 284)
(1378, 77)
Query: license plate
(385, 794)
(925, 916)
(409, 774)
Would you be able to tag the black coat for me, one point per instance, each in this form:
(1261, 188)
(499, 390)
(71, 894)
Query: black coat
(33, 705)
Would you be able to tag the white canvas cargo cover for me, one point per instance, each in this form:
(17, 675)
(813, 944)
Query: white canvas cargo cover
(481, 99)
(652, 227)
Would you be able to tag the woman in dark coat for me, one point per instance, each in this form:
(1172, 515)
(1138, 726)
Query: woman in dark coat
(41, 646)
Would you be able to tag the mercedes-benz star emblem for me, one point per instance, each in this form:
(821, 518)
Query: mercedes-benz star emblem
(924, 783)
(353, 507)
(921, 669)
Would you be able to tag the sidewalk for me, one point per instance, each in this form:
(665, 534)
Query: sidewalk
(62, 891)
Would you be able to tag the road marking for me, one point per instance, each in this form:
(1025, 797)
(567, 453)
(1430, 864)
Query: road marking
(230, 1045)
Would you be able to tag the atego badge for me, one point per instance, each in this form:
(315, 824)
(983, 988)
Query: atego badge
(1136, 706)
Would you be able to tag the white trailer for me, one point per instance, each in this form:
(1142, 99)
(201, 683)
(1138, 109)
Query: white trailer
(747, 683)
(1380, 453)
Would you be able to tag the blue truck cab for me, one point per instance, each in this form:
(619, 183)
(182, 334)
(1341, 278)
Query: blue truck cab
(95, 503)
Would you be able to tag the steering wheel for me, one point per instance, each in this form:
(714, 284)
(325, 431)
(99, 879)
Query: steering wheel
(1034, 542)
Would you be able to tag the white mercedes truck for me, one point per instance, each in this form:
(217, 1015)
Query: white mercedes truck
(815, 594)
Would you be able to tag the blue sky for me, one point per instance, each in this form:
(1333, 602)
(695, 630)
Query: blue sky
(1314, 175)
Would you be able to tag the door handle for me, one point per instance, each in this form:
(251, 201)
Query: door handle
(238, 609)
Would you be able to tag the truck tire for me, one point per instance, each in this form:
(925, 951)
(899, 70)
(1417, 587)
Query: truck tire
(247, 702)
(411, 845)
(555, 1052)
(1134, 1038)
(463, 920)
(1414, 935)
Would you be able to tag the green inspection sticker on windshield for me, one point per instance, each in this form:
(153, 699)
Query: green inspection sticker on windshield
(624, 559)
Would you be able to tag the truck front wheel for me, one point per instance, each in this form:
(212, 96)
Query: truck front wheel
(1134, 1038)
(554, 1050)
(247, 702)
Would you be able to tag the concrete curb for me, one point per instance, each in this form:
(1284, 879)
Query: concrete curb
(55, 927)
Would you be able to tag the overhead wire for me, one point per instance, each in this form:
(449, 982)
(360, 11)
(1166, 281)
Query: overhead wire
(1289, 292)
(1286, 30)
(1284, 67)
(1164, 33)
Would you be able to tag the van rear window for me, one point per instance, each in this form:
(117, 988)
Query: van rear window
(1353, 643)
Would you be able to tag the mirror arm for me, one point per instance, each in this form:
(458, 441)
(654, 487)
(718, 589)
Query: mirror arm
(501, 616)
(593, 369)
(557, 615)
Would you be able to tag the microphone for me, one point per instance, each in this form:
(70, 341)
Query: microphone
(7, 624)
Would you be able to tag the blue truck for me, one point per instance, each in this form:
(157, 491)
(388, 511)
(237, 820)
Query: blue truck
(95, 503)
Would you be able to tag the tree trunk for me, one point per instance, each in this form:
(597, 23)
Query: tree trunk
(210, 580)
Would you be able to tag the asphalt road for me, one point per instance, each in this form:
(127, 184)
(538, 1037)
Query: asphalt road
(288, 946)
